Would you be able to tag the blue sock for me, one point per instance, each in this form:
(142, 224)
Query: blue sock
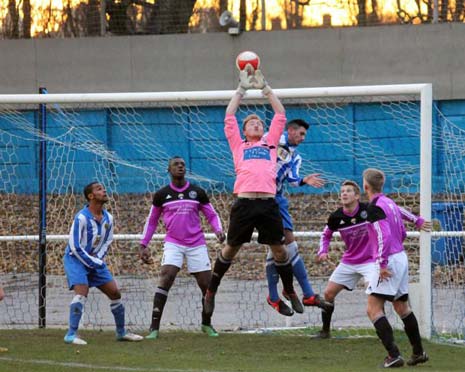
(117, 308)
(299, 270)
(273, 280)
(300, 273)
(76, 309)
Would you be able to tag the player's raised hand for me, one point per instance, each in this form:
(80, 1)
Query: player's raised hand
(220, 235)
(245, 79)
(145, 256)
(259, 82)
(314, 180)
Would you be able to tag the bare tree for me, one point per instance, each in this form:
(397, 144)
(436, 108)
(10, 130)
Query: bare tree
(443, 9)
(458, 15)
(242, 14)
(93, 18)
(254, 17)
(118, 17)
(405, 17)
(223, 6)
(362, 13)
(373, 18)
(13, 14)
(293, 12)
(27, 19)
(170, 16)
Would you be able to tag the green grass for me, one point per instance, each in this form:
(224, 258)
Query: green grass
(44, 350)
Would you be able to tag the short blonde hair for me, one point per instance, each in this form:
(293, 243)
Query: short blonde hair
(353, 184)
(374, 178)
(250, 117)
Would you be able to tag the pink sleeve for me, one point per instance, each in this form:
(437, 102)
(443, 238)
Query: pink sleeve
(410, 217)
(276, 128)
(150, 225)
(383, 232)
(231, 130)
(325, 240)
(212, 217)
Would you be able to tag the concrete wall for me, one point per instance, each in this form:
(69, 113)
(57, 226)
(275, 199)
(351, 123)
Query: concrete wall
(302, 58)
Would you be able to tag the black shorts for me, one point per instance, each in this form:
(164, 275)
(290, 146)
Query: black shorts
(262, 214)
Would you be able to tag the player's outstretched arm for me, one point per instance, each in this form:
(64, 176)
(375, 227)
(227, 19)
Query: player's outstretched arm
(259, 82)
(275, 103)
(234, 104)
(245, 83)
(426, 226)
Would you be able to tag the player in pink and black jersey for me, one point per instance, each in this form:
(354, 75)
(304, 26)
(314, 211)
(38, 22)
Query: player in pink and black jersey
(180, 204)
(353, 221)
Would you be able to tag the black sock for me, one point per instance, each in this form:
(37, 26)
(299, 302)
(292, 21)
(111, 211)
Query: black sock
(413, 333)
(287, 277)
(385, 334)
(326, 318)
(206, 319)
(221, 266)
(159, 302)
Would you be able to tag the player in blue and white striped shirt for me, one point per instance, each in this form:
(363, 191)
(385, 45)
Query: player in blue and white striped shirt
(89, 239)
(288, 167)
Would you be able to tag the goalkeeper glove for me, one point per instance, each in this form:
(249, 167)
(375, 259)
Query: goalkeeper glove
(260, 83)
(245, 80)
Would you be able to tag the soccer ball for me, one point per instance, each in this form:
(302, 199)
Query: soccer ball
(247, 58)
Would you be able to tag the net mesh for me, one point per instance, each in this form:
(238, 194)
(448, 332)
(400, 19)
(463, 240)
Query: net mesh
(126, 146)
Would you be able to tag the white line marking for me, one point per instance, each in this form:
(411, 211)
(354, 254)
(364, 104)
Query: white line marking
(94, 367)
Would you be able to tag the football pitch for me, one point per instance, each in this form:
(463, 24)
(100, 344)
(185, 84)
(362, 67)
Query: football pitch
(44, 350)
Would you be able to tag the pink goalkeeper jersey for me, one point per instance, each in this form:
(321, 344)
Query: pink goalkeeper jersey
(255, 162)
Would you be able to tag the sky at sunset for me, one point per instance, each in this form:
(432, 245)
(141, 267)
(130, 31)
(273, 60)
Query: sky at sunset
(342, 12)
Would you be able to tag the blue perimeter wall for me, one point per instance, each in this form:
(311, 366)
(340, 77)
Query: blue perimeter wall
(318, 149)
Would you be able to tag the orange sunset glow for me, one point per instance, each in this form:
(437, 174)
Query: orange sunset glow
(49, 16)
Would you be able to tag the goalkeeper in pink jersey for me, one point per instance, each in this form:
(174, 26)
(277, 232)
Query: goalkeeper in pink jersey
(390, 281)
(255, 187)
(180, 204)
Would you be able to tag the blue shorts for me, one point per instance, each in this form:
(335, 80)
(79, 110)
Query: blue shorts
(284, 211)
(77, 273)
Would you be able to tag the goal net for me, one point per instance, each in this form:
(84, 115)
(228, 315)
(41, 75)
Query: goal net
(124, 140)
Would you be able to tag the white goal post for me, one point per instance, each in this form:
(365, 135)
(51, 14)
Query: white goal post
(66, 108)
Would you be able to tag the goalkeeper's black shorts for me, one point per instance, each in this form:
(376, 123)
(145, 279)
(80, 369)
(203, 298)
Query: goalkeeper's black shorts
(262, 214)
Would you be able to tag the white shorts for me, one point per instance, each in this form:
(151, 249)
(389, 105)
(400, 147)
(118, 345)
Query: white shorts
(349, 275)
(397, 285)
(196, 257)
